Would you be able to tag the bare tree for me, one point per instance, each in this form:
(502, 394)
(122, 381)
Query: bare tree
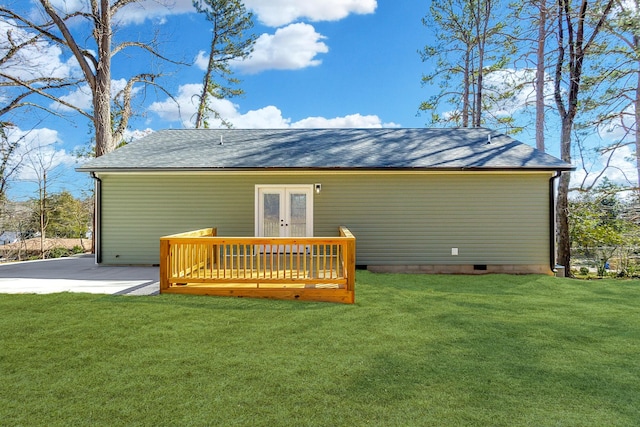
(21, 78)
(43, 165)
(8, 166)
(14, 221)
(94, 63)
(22, 82)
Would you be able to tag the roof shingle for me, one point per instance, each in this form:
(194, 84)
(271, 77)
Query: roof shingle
(206, 149)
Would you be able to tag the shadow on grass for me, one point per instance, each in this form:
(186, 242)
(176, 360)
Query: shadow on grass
(206, 302)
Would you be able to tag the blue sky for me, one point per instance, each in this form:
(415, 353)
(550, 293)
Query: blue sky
(332, 63)
(317, 63)
(364, 64)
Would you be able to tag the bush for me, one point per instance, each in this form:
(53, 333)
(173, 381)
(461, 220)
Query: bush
(58, 253)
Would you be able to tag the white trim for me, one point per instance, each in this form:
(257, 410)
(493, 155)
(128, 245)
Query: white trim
(283, 189)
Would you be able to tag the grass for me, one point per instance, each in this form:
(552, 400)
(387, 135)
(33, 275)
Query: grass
(414, 350)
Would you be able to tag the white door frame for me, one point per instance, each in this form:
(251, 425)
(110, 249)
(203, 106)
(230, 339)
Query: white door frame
(285, 190)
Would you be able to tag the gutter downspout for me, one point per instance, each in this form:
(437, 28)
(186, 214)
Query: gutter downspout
(97, 227)
(552, 220)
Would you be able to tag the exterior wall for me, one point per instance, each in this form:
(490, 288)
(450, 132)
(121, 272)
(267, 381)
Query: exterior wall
(402, 221)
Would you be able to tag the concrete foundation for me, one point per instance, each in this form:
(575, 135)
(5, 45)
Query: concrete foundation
(462, 269)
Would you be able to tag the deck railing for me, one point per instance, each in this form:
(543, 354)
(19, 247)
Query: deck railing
(312, 268)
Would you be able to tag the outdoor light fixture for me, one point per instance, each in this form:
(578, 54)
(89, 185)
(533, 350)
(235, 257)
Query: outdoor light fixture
(318, 188)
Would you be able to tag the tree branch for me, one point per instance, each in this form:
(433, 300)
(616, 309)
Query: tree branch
(120, 47)
(42, 92)
(80, 54)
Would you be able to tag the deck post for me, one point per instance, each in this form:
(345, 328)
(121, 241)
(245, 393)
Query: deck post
(350, 261)
(164, 264)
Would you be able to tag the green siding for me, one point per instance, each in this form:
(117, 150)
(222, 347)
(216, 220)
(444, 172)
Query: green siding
(138, 209)
(398, 219)
(404, 220)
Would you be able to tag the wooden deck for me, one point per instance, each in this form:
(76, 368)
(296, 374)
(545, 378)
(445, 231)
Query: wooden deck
(310, 268)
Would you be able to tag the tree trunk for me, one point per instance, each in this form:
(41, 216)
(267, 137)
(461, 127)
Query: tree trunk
(102, 111)
(562, 223)
(477, 113)
(466, 89)
(206, 87)
(477, 119)
(540, 77)
(43, 219)
(636, 42)
(562, 203)
(102, 92)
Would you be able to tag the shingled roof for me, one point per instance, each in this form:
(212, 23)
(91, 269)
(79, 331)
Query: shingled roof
(250, 149)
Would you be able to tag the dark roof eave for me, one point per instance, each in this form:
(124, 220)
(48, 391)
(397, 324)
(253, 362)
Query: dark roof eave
(335, 168)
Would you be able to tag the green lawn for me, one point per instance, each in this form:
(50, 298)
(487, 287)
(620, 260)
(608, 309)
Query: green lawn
(414, 350)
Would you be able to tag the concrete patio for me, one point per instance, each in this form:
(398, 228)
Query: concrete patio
(77, 274)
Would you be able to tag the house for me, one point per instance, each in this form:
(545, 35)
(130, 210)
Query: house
(417, 200)
(8, 237)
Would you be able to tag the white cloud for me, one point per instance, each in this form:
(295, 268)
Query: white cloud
(35, 60)
(290, 48)
(81, 98)
(349, 121)
(626, 9)
(37, 149)
(156, 10)
(269, 117)
(621, 127)
(511, 90)
(134, 135)
(507, 92)
(135, 12)
(69, 6)
(620, 168)
(276, 13)
(184, 111)
(201, 60)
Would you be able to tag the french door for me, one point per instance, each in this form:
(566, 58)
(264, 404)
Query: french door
(284, 211)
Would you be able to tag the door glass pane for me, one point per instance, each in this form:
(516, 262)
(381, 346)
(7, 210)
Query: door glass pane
(298, 215)
(271, 209)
